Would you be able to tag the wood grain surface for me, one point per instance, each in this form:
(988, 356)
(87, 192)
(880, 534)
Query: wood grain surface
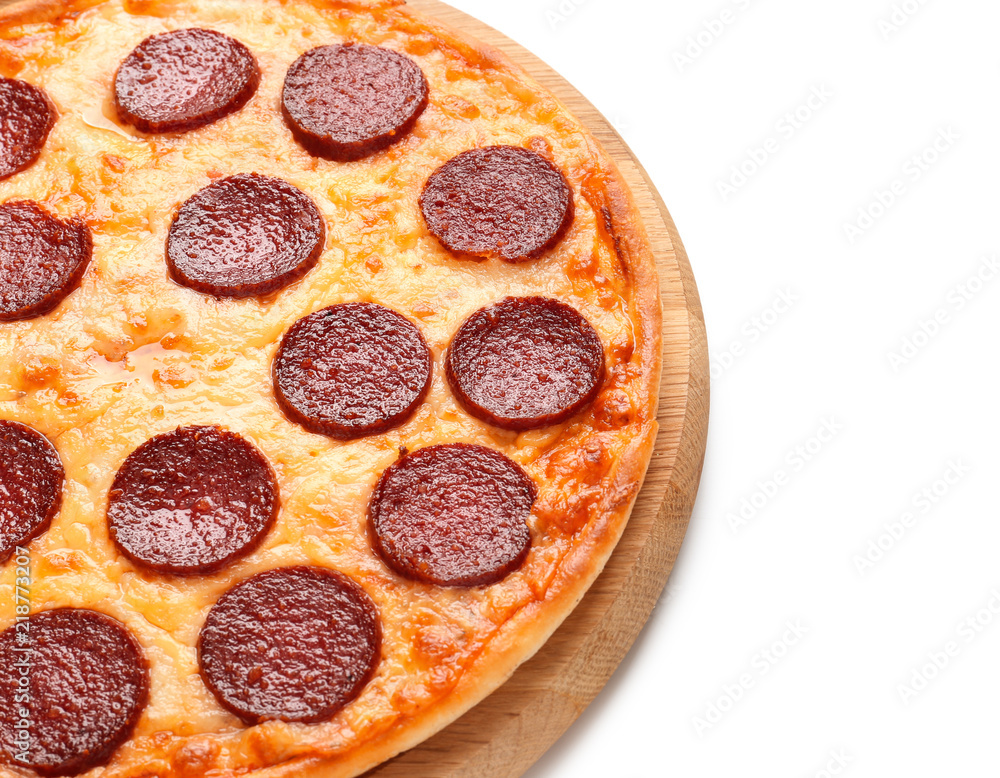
(506, 733)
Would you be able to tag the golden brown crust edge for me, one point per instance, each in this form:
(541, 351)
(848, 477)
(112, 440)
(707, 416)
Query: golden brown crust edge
(515, 643)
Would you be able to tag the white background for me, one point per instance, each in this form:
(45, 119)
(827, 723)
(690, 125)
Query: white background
(890, 341)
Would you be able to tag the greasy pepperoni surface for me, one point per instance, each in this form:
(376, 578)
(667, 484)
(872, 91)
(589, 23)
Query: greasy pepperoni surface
(42, 259)
(500, 201)
(524, 363)
(347, 102)
(88, 684)
(192, 501)
(184, 79)
(245, 236)
(296, 644)
(31, 483)
(352, 370)
(26, 116)
(452, 515)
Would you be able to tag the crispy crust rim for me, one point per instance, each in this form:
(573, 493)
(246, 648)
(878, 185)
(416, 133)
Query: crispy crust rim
(523, 635)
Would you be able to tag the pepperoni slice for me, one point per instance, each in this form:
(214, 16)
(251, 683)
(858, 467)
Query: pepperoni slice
(452, 515)
(42, 259)
(500, 201)
(347, 102)
(525, 363)
(26, 116)
(352, 370)
(31, 483)
(181, 80)
(295, 644)
(73, 684)
(192, 501)
(245, 236)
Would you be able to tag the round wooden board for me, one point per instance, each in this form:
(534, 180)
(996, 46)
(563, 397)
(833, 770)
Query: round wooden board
(506, 733)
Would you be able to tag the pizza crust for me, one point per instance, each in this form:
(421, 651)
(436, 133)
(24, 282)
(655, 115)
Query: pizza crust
(616, 223)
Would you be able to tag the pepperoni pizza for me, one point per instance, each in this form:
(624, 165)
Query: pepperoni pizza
(329, 354)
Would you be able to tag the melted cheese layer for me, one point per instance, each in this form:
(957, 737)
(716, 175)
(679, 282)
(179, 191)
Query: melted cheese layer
(130, 354)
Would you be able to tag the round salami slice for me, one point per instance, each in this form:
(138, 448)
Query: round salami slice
(26, 116)
(295, 644)
(452, 515)
(184, 79)
(347, 102)
(498, 202)
(73, 684)
(245, 236)
(352, 370)
(192, 501)
(42, 259)
(524, 363)
(31, 484)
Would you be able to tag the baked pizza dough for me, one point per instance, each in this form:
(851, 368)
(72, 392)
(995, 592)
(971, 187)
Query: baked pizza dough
(325, 332)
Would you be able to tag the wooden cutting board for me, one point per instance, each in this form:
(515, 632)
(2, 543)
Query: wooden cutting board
(506, 733)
